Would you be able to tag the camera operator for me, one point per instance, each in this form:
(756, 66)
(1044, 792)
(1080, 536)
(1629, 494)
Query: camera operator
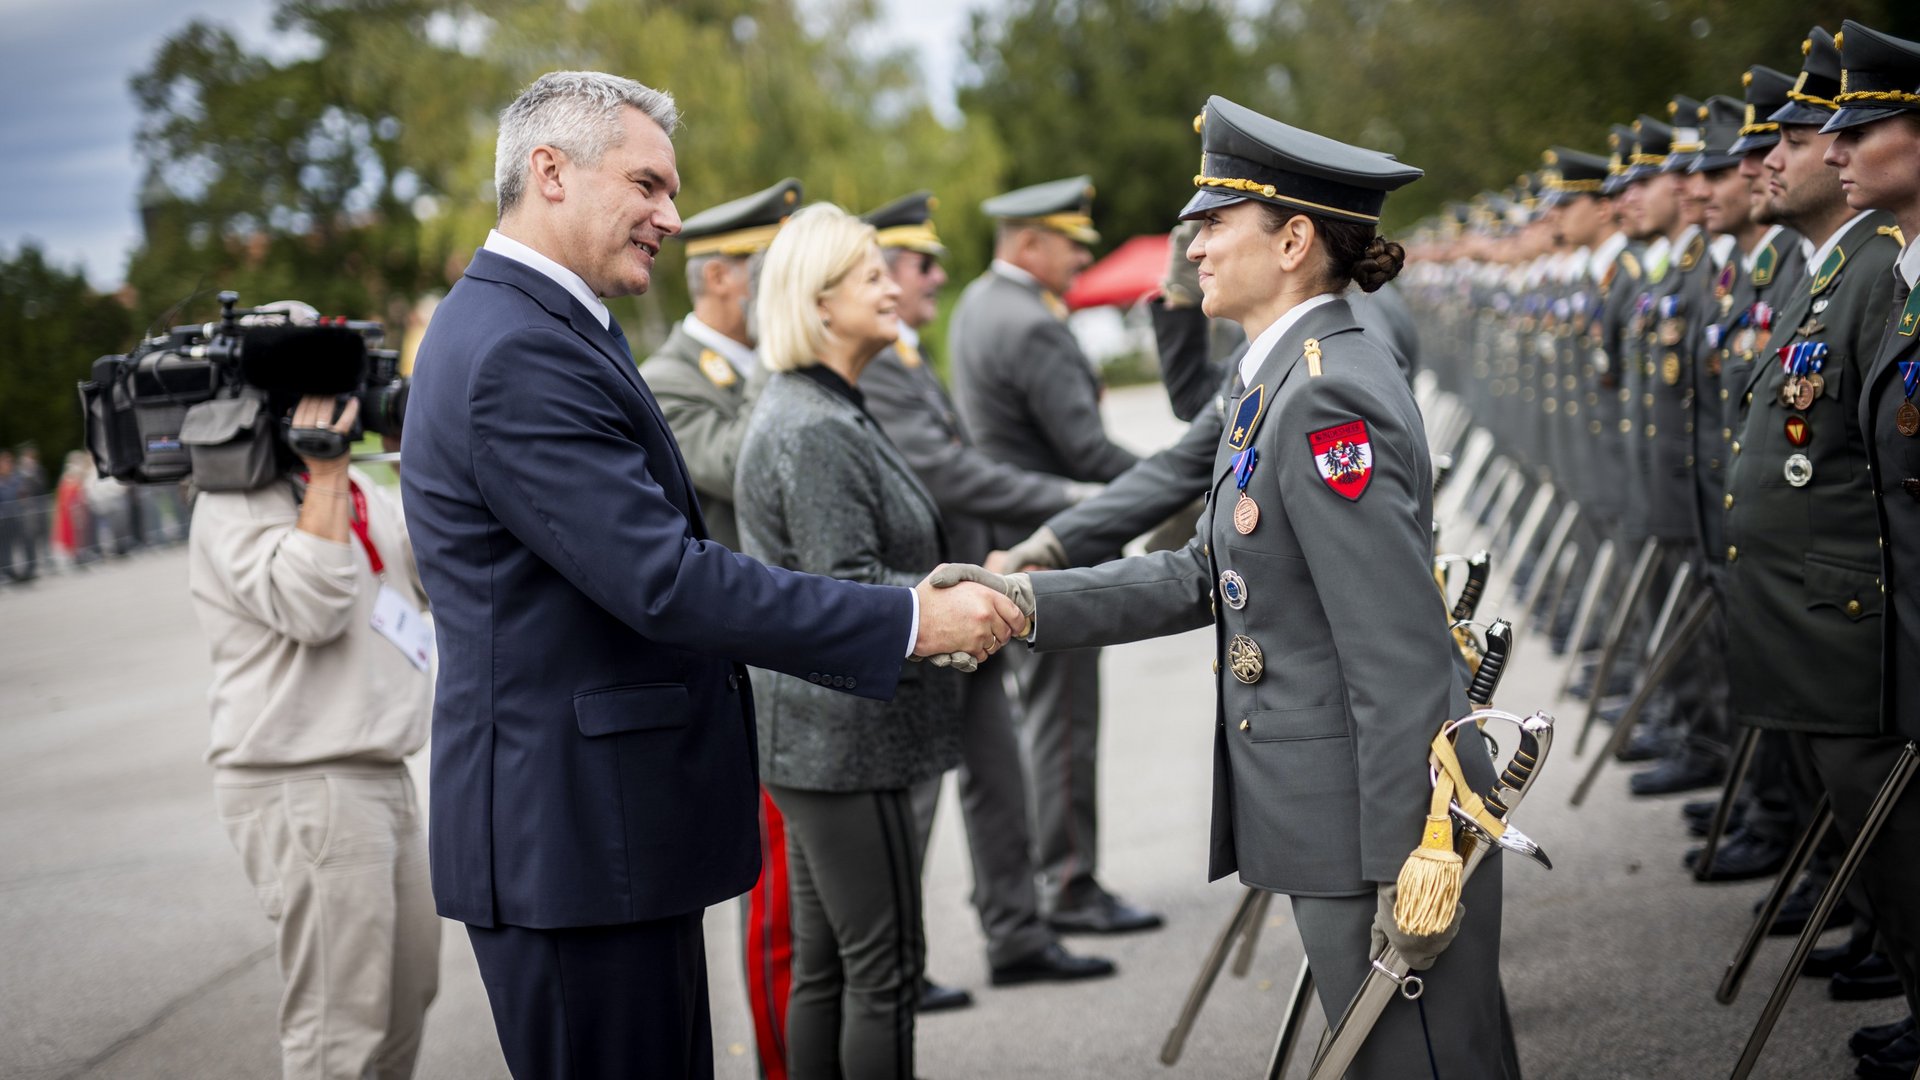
(312, 606)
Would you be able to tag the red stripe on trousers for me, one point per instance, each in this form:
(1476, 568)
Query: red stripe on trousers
(769, 944)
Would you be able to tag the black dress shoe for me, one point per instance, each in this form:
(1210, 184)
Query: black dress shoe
(937, 998)
(1051, 964)
(1895, 1061)
(1830, 960)
(1700, 810)
(1742, 858)
(1797, 908)
(1869, 980)
(1876, 1037)
(1647, 744)
(1687, 772)
(1107, 915)
(1697, 826)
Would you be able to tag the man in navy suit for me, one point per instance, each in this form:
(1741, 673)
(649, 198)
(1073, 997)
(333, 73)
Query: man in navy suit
(594, 780)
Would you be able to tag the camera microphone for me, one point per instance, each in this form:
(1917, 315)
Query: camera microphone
(304, 359)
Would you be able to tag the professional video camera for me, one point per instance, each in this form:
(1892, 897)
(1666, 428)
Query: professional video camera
(211, 399)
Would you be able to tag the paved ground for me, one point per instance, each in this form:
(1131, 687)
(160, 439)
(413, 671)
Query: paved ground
(132, 946)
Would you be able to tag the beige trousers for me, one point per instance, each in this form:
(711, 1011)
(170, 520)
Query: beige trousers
(338, 857)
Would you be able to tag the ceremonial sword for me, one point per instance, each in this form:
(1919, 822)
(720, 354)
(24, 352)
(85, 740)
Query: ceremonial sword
(1494, 655)
(1390, 971)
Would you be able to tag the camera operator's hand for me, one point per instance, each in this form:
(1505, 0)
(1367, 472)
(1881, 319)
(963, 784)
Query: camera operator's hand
(327, 510)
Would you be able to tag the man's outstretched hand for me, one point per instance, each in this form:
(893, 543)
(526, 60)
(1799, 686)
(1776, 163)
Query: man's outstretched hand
(965, 623)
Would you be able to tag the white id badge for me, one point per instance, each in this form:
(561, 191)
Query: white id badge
(396, 620)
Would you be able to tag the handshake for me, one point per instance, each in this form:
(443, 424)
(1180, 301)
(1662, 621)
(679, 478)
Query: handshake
(967, 613)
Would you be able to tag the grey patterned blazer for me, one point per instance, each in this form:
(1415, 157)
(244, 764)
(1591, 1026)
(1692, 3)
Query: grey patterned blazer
(820, 489)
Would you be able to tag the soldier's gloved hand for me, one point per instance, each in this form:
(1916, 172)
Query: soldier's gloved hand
(1181, 285)
(1419, 950)
(1015, 587)
(1042, 549)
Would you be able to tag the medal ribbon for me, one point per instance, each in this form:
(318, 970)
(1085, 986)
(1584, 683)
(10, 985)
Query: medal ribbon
(1669, 305)
(1762, 314)
(1243, 463)
(1910, 376)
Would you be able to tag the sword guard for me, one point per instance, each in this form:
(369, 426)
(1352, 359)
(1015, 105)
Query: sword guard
(1411, 985)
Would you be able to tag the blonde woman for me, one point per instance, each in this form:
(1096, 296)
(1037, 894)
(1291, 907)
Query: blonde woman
(820, 489)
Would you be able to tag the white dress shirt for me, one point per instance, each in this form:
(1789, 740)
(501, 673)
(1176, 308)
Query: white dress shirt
(507, 247)
(1270, 337)
(743, 359)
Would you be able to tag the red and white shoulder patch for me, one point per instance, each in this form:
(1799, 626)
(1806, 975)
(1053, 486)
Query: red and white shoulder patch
(1344, 456)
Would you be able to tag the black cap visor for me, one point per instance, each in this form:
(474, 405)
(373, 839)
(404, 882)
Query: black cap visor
(1852, 116)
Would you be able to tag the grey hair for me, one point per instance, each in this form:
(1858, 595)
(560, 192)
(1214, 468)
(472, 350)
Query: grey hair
(576, 113)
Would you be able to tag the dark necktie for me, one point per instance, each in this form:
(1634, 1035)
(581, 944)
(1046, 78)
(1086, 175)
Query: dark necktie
(619, 335)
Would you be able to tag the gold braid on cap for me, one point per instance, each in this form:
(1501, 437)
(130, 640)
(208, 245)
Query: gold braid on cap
(1797, 94)
(1891, 97)
(1574, 185)
(1648, 159)
(1755, 126)
(1268, 191)
(737, 243)
(921, 238)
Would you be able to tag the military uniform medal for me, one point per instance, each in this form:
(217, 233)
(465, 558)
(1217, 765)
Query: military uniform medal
(1246, 512)
(1906, 419)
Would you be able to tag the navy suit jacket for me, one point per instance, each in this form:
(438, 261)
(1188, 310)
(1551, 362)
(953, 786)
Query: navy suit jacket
(593, 742)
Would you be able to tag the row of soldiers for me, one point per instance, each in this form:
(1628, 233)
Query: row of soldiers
(1705, 339)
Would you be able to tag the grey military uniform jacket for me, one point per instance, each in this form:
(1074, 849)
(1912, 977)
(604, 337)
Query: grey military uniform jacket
(1605, 373)
(1024, 388)
(1320, 776)
(1669, 395)
(823, 491)
(974, 491)
(706, 403)
(1896, 474)
(1803, 563)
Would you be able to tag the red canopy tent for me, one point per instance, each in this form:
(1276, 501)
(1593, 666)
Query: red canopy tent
(1129, 272)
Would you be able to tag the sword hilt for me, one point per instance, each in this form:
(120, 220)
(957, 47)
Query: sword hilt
(1493, 663)
(1478, 569)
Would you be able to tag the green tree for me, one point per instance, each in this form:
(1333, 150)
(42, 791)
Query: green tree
(1109, 88)
(52, 326)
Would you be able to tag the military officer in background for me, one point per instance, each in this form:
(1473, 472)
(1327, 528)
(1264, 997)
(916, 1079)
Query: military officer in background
(1803, 588)
(703, 375)
(1032, 399)
(974, 493)
(1876, 152)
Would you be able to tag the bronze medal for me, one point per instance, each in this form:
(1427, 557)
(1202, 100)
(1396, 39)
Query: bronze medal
(1246, 515)
(1906, 420)
(1744, 341)
(1790, 391)
(1804, 394)
(1245, 660)
(1670, 369)
(1671, 331)
(1818, 382)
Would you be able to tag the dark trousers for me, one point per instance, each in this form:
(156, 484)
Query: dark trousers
(993, 802)
(1853, 768)
(859, 948)
(600, 1001)
(1059, 725)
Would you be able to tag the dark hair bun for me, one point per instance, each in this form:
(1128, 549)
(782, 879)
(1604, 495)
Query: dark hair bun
(1379, 264)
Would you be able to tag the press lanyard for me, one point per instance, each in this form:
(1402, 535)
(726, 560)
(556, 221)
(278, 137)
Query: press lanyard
(358, 523)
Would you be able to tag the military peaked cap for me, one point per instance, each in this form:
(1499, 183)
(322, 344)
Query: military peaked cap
(1879, 77)
(1651, 140)
(744, 226)
(1570, 174)
(1766, 91)
(1619, 148)
(1683, 113)
(1245, 155)
(1810, 102)
(1063, 206)
(1720, 121)
(907, 222)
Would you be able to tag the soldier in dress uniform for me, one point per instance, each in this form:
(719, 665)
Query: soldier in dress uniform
(974, 492)
(1032, 399)
(1781, 789)
(1312, 560)
(704, 374)
(1876, 150)
(1804, 599)
(1694, 750)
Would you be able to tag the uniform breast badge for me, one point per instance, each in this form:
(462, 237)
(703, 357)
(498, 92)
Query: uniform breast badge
(1245, 660)
(1799, 470)
(1233, 589)
(717, 370)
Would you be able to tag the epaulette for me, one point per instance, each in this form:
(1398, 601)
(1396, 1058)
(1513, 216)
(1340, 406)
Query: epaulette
(1632, 264)
(1763, 264)
(1690, 258)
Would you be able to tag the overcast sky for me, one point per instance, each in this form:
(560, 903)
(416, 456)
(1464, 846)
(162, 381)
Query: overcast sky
(67, 117)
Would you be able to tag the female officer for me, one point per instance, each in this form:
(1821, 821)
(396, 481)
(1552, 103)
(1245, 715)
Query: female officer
(1334, 665)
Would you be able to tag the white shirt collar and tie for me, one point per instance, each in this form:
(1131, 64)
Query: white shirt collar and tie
(1819, 254)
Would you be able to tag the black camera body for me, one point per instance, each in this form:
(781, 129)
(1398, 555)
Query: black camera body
(208, 400)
